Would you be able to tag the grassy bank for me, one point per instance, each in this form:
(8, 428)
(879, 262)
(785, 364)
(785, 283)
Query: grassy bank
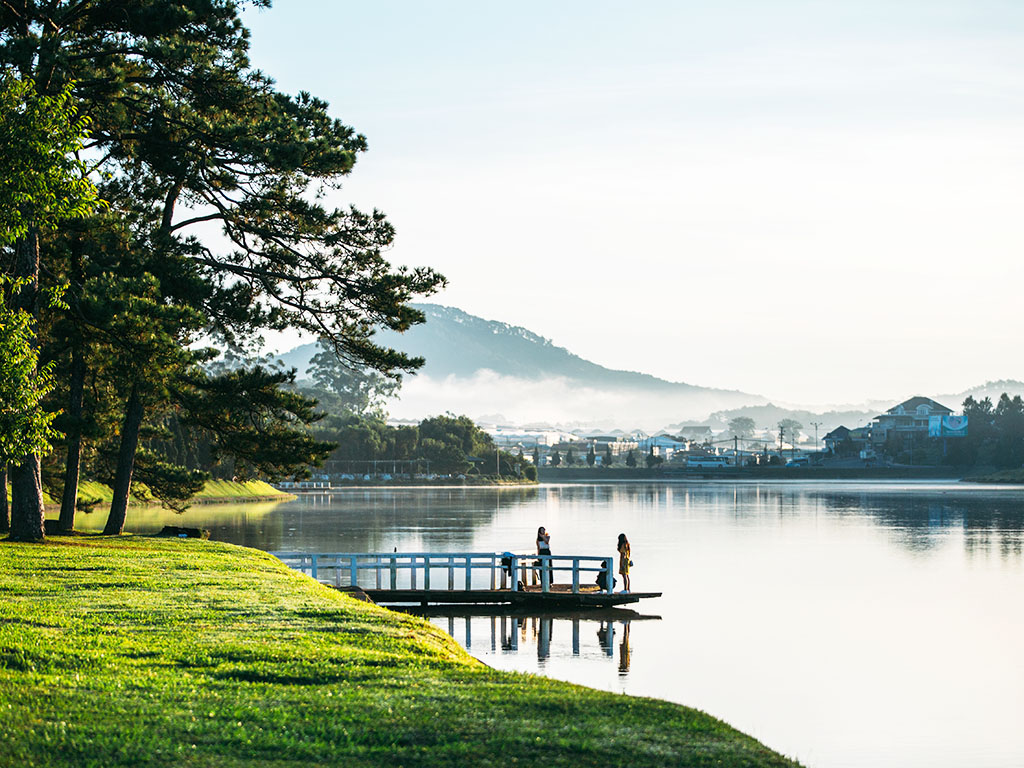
(439, 482)
(152, 652)
(214, 490)
(1013, 476)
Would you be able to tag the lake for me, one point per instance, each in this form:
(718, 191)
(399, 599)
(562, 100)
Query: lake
(843, 624)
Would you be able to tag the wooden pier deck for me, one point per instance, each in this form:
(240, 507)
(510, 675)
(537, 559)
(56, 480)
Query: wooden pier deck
(482, 578)
(563, 598)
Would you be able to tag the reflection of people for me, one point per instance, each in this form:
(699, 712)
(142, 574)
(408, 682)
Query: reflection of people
(544, 639)
(606, 636)
(624, 561)
(543, 548)
(624, 650)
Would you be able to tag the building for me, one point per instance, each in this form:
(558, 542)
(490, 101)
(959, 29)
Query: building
(664, 446)
(909, 419)
(835, 439)
(617, 444)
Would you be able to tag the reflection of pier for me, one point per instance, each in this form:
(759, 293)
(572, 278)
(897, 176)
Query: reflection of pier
(511, 626)
(565, 581)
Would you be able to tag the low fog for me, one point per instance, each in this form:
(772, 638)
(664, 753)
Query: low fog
(552, 400)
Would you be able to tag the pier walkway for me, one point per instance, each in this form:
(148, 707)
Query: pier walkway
(468, 578)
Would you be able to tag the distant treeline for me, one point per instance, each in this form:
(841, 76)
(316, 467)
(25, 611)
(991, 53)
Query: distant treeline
(995, 434)
(452, 445)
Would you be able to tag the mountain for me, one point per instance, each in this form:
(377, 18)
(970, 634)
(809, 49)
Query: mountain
(479, 366)
(990, 389)
(484, 368)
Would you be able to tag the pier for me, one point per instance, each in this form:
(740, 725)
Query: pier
(469, 578)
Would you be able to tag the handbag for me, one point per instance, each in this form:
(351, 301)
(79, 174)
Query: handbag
(630, 563)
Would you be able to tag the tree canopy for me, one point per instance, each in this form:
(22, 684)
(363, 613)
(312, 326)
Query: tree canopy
(185, 135)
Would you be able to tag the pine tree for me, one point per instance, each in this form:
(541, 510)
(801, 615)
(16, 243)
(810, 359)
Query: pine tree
(188, 134)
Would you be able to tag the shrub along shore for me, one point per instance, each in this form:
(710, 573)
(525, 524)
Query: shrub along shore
(140, 651)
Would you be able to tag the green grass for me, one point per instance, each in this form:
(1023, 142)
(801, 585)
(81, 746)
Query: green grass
(154, 652)
(91, 491)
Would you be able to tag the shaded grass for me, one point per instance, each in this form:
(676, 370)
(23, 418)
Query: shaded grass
(120, 651)
(1015, 476)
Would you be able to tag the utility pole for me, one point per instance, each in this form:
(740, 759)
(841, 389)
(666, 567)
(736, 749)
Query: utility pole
(816, 424)
(735, 450)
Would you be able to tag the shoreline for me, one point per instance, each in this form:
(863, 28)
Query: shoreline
(935, 474)
(229, 657)
(97, 494)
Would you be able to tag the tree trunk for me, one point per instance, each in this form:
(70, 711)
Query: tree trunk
(66, 524)
(26, 481)
(27, 522)
(5, 511)
(125, 464)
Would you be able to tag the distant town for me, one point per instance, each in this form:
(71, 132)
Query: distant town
(914, 436)
(919, 425)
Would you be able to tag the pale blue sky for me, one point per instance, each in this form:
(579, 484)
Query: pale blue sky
(817, 201)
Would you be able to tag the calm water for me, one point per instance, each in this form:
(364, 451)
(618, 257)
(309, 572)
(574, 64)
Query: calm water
(854, 624)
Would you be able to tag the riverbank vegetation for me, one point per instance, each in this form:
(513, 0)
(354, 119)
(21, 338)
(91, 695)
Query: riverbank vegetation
(995, 434)
(165, 652)
(1008, 476)
(441, 445)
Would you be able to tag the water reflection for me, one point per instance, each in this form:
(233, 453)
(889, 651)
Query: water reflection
(918, 518)
(487, 632)
(829, 620)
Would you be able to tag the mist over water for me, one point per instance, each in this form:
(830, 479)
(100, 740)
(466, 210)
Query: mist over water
(844, 624)
(554, 400)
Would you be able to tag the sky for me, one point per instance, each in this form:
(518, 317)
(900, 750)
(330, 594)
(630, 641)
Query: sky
(819, 202)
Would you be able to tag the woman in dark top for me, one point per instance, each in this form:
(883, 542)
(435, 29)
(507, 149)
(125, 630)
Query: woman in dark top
(624, 561)
(543, 548)
(543, 541)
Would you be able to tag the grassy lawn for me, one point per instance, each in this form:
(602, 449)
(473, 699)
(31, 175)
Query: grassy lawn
(152, 652)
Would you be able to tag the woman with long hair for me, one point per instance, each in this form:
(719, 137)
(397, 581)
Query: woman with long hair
(543, 548)
(624, 561)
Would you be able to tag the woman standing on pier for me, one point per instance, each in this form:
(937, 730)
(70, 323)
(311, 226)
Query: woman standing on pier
(624, 561)
(543, 548)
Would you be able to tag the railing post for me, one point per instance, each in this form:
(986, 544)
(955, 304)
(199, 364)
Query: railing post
(378, 571)
(514, 585)
(313, 566)
(426, 571)
(493, 560)
(469, 573)
(337, 572)
(451, 573)
(394, 571)
(545, 573)
(609, 567)
(353, 572)
(412, 570)
(575, 575)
